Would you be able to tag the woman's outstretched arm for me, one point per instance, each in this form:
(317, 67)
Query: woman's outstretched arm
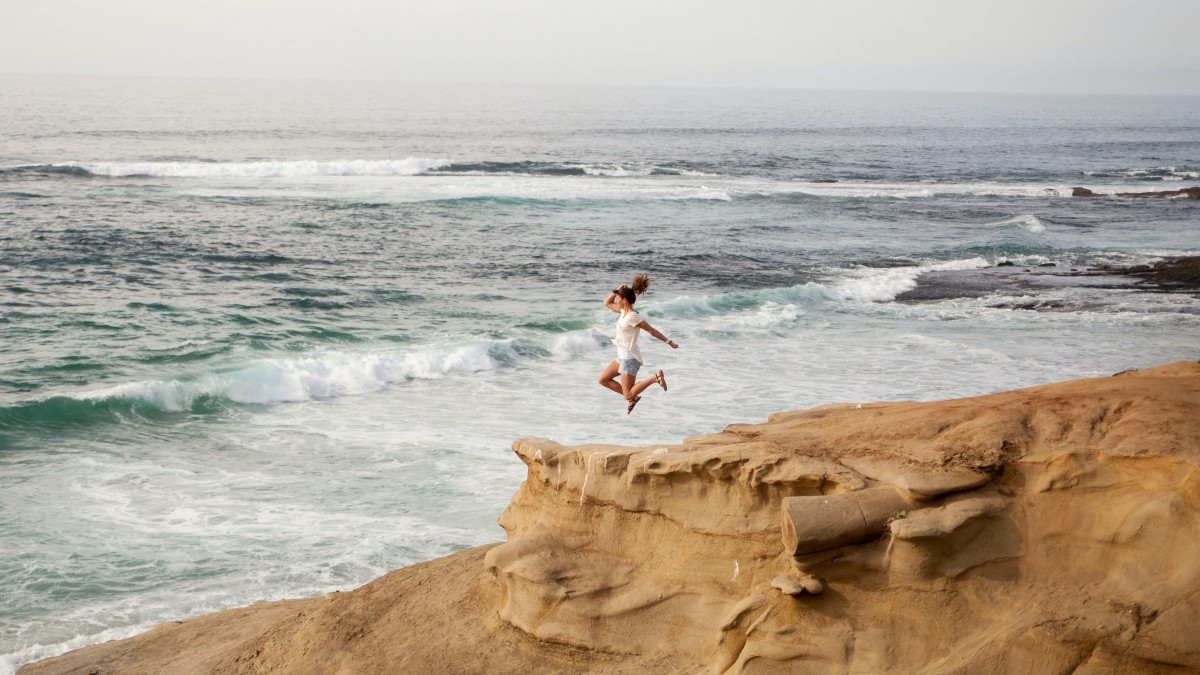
(654, 331)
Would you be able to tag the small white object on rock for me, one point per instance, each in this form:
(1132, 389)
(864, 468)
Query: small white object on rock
(792, 585)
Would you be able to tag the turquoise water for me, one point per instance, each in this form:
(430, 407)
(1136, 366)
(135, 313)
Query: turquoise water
(266, 340)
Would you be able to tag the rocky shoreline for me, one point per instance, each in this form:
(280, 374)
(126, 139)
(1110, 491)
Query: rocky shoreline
(1043, 530)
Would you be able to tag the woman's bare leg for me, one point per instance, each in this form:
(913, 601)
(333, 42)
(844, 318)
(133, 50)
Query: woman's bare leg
(632, 389)
(608, 379)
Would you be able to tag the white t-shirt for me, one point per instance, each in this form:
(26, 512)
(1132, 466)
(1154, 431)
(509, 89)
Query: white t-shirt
(627, 336)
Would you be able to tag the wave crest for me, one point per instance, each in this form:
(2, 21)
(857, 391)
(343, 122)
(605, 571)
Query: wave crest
(1025, 221)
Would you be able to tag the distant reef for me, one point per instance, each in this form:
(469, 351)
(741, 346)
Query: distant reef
(1053, 529)
(1183, 193)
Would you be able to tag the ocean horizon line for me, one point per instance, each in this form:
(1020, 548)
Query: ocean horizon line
(651, 86)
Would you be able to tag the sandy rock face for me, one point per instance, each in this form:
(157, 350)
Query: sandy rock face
(1039, 530)
(1046, 530)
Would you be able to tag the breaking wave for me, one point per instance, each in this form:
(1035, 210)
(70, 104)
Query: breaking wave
(327, 374)
(278, 380)
(1025, 221)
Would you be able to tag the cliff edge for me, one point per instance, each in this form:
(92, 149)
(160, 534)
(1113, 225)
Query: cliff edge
(1046, 530)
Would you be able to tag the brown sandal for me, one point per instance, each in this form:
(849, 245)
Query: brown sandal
(662, 379)
(632, 402)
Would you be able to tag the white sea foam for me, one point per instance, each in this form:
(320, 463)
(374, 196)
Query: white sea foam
(323, 375)
(626, 170)
(770, 315)
(294, 169)
(706, 193)
(881, 285)
(440, 186)
(577, 342)
(9, 663)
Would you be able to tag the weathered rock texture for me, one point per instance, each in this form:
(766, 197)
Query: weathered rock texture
(1047, 530)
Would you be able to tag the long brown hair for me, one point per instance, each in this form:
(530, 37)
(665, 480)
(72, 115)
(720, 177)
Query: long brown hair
(640, 283)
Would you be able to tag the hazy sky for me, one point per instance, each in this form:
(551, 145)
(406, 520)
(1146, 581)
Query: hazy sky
(1142, 46)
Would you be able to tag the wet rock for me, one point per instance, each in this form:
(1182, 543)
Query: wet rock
(1181, 274)
(1186, 193)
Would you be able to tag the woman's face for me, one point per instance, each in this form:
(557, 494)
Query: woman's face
(622, 303)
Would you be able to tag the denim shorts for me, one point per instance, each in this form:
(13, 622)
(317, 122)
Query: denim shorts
(628, 366)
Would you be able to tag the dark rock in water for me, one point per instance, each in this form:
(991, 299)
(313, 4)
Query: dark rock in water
(1048, 265)
(1181, 274)
(1033, 305)
(950, 285)
(822, 180)
(1006, 263)
(1022, 288)
(1187, 193)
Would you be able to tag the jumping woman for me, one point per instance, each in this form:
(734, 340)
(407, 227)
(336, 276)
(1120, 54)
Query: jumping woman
(629, 357)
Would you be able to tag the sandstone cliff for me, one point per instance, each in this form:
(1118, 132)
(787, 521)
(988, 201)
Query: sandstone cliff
(1046, 530)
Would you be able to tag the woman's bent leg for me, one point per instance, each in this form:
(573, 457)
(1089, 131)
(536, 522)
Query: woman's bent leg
(636, 389)
(628, 384)
(608, 379)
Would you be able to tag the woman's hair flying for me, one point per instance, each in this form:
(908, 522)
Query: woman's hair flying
(640, 283)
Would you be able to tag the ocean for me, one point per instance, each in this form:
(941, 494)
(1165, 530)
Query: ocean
(264, 340)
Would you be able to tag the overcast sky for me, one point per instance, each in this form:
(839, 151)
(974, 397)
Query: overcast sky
(1120, 46)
